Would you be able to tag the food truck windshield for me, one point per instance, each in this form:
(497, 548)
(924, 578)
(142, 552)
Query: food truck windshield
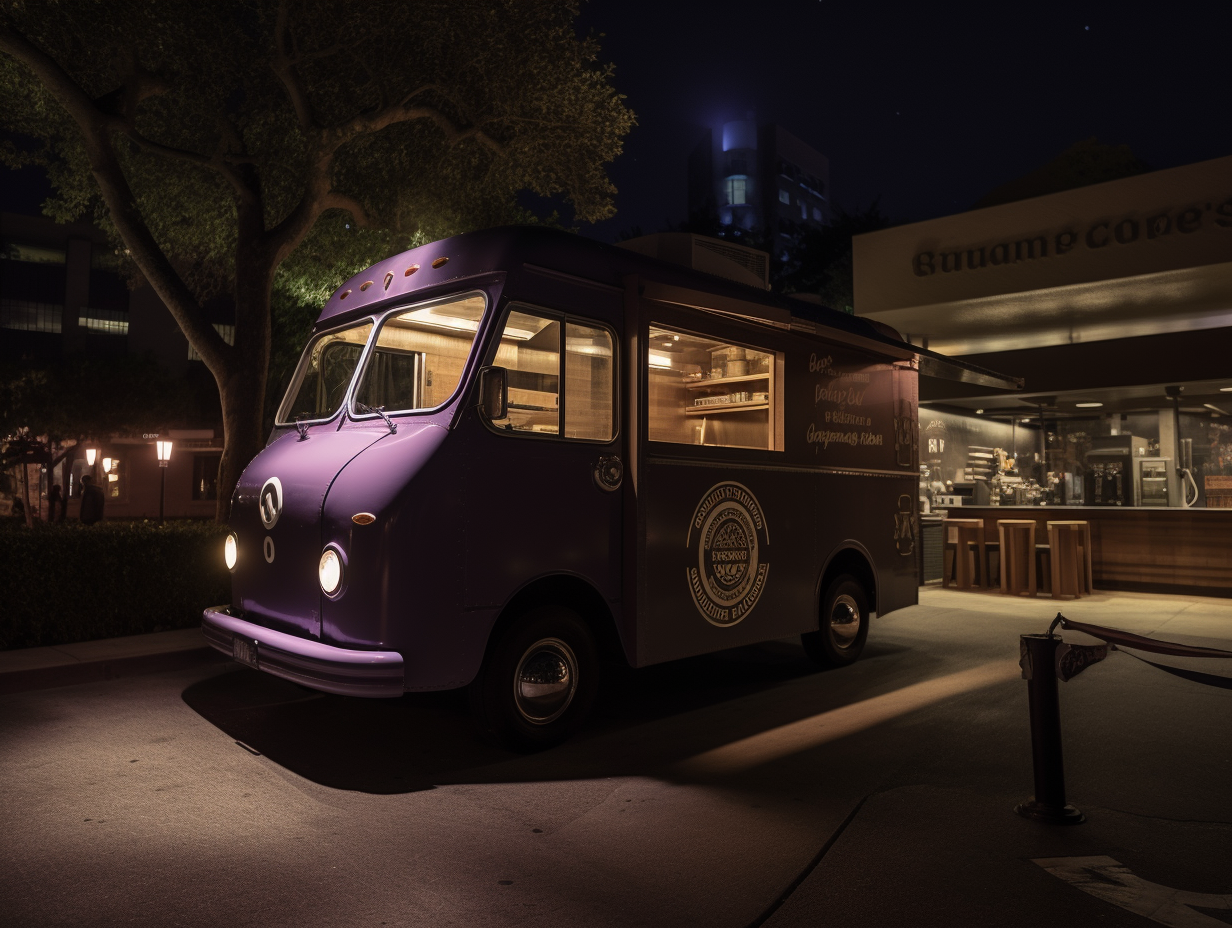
(413, 362)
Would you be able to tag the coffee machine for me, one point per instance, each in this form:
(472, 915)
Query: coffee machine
(1110, 476)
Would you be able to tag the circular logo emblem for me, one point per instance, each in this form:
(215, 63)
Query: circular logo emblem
(730, 539)
(269, 503)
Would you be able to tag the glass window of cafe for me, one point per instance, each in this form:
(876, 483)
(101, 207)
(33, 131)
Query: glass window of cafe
(1097, 461)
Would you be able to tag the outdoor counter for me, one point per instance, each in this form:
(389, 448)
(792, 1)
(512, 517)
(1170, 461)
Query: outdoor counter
(1138, 548)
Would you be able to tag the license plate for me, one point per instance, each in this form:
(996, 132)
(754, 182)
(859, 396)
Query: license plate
(244, 650)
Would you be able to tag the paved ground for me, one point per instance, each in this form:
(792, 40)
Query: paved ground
(731, 790)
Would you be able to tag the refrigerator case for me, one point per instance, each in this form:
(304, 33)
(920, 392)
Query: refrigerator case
(1154, 482)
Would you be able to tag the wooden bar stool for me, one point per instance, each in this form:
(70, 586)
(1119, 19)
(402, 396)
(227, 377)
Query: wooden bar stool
(1017, 537)
(1070, 548)
(960, 535)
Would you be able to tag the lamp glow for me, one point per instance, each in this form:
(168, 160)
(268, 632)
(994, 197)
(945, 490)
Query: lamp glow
(106, 465)
(329, 571)
(1088, 405)
(230, 553)
(91, 456)
(163, 450)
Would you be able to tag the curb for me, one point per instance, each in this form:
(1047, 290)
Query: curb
(75, 672)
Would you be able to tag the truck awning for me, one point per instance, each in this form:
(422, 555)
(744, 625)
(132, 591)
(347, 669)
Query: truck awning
(941, 367)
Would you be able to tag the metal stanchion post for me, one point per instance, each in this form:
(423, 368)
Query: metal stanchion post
(1048, 804)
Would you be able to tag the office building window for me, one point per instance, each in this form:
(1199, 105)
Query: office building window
(27, 316)
(205, 476)
(816, 214)
(31, 254)
(784, 196)
(736, 191)
(104, 321)
(228, 335)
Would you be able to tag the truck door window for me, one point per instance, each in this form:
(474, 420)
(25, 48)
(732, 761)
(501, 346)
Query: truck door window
(704, 391)
(529, 350)
(589, 382)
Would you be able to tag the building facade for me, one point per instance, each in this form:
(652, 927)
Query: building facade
(1113, 302)
(759, 178)
(62, 299)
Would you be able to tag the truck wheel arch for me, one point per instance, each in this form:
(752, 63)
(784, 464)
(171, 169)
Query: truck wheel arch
(575, 593)
(848, 557)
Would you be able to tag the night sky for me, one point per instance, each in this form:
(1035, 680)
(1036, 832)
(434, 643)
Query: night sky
(928, 106)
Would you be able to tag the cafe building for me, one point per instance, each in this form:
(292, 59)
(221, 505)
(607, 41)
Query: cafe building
(1113, 303)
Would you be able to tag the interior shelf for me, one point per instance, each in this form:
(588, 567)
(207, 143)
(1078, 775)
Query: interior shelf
(723, 407)
(746, 378)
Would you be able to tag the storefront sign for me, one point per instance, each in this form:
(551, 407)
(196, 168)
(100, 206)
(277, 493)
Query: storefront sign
(1130, 230)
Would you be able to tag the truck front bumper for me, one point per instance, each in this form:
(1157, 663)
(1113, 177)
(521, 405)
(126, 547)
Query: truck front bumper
(310, 663)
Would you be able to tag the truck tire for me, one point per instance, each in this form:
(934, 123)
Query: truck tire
(538, 681)
(842, 626)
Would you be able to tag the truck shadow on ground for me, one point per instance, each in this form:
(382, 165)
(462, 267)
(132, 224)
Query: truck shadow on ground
(644, 719)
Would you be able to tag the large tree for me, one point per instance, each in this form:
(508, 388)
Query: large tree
(215, 140)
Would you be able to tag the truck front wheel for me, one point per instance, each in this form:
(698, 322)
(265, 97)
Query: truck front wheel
(843, 626)
(538, 682)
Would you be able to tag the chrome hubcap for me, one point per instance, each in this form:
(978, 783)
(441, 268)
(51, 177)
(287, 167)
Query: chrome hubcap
(844, 622)
(545, 681)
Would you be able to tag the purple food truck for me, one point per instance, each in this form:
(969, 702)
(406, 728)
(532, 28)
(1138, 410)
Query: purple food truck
(512, 456)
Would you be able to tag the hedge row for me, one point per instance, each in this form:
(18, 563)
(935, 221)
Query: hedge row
(67, 582)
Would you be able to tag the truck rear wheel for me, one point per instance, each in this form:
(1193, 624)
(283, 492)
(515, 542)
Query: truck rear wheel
(538, 682)
(843, 625)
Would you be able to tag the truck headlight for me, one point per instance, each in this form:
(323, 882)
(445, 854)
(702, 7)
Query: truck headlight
(230, 551)
(329, 571)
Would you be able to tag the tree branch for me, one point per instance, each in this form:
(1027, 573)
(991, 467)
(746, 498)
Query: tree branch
(335, 200)
(284, 67)
(367, 124)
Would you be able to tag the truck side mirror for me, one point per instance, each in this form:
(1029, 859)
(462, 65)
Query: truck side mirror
(493, 393)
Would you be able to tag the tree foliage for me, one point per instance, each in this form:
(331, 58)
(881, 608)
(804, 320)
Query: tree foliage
(238, 146)
(820, 260)
(1083, 163)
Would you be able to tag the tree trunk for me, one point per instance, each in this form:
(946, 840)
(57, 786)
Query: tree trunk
(25, 493)
(241, 387)
(242, 438)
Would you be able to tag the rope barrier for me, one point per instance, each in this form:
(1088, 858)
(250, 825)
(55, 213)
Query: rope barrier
(1045, 659)
(1122, 640)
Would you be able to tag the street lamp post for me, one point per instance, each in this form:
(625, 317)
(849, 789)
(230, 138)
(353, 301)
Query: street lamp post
(164, 458)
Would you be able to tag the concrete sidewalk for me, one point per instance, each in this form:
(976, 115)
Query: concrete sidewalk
(737, 790)
(87, 661)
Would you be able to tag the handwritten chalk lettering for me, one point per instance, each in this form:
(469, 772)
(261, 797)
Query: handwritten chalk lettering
(839, 417)
(848, 397)
(855, 376)
(820, 364)
(827, 437)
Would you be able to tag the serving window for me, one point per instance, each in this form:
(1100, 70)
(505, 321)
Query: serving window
(706, 391)
(530, 351)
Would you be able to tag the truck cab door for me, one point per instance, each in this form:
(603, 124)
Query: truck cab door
(546, 473)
